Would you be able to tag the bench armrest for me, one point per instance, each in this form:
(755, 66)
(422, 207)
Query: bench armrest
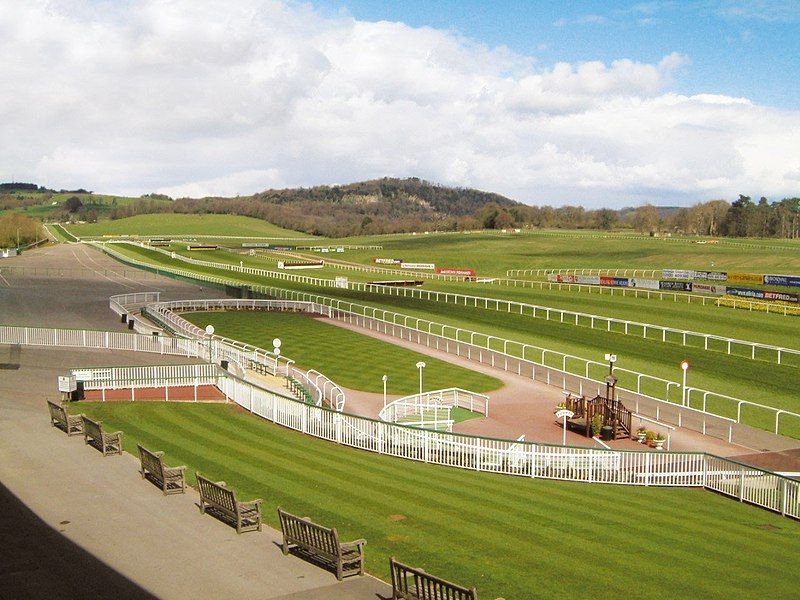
(354, 543)
(174, 470)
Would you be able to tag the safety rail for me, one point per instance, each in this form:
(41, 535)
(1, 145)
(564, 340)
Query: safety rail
(638, 381)
(528, 459)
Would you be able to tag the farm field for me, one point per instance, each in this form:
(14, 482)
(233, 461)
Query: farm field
(350, 359)
(172, 224)
(505, 535)
(49, 204)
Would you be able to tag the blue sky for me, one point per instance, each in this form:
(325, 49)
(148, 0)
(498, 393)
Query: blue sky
(590, 103)
(742, 48)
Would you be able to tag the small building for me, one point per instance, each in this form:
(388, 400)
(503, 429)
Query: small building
(8, 252)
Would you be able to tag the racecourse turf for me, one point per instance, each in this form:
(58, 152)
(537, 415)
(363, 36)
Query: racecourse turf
(510, 537)
(350, 359)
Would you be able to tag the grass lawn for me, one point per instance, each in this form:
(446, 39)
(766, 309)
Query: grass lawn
(756, 381)
(353, 360)
(510, 537)
(172, 224)
(492, 253)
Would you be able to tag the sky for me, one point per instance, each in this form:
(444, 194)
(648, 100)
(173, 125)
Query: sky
(593, 103)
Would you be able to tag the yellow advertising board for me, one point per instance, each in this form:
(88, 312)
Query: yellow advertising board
(734, 277)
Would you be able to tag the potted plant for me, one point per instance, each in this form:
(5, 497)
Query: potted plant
(597, 424)
(641, 435)
(650, 436)
(659, 441)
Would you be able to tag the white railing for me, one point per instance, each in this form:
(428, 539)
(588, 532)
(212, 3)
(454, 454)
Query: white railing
(246, 354)
(122, 304)
(520, 458)
(152, 376)
(449, 397)
(571, 365)
(683, 337)
(103, 340)
(513, 457)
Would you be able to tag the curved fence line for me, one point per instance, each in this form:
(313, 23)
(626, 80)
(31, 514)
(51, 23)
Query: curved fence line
(756, 486)
(632, 382)
(682, 337)
(526, 459)
(246, 354)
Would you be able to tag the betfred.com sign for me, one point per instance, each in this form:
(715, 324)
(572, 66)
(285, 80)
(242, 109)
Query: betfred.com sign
(451, 271)
(386, 261)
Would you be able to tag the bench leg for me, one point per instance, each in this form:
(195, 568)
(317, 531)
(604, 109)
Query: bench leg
(285, 547)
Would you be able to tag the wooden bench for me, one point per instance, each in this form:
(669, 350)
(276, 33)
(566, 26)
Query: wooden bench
(171, 480)
(221, 502)
(322, 545)
(69, 424)
(409, 583)
(93, 434)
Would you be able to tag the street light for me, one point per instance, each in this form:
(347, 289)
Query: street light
(385, 379)
(209, 333)
(420, 366)
(684, 368)
(611, 381)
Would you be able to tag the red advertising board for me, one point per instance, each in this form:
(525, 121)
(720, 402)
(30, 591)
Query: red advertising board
(606, 281)
(452, 271)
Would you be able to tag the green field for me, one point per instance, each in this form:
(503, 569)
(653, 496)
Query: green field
(757, 381)
(510, 537)
(171, 224)
(350, 359)
(492, 253)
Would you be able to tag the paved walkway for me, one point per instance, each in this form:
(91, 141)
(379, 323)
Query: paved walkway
(76, 525)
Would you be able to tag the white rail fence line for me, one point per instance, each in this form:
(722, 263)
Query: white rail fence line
(747, 484)
(247, 355)
(683, 415)
(102, 340)
(666, 386)
(436, 404)
(440, 336)
(615, 272)
(152, 376)
(736, 480)
(675, 296)
(683, 337)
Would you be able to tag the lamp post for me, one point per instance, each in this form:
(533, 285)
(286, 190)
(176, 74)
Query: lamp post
(611, 381)
(385, 378)
(420, 366)
(209, 333)
(276, 350)
(684, 368)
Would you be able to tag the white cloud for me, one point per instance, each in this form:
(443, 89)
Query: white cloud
(200, 97)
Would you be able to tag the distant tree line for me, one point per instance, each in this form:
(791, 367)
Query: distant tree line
(391, 205)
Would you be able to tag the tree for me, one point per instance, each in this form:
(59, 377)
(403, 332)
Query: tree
(73, 204)
(645, 219)
(606, 218)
